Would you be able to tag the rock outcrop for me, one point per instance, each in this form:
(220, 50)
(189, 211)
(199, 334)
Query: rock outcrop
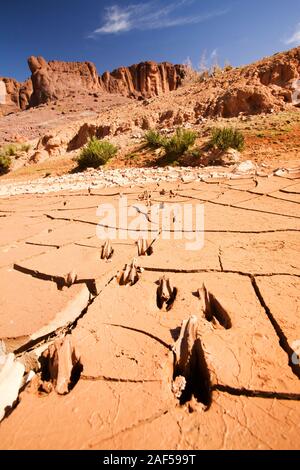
(247, 100)
(54, 80)
(280, 70)
(144, 80)
(265, 86)
(14, 96)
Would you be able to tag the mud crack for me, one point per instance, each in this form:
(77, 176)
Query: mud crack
(283, 341)
(60, 281)
(242, 392)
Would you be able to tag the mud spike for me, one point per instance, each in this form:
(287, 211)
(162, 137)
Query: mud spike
(165, 289)
(125, 275)
(166, 294)
(130, 274)
(70, 278)
(107, 251)
(144, 247)
(184, 345)
(213, 310)
(61, 366)
(204, 297)
(191, 374)
(133, 275)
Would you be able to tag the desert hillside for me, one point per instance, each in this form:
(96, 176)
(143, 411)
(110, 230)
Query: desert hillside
(63, 105)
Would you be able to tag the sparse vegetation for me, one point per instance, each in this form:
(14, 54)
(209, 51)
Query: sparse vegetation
(5, 162)
(174, 146)
(195, 153)
(207, 68)
(10, 150)
(228, 67)
(216, 70)
(191, 75)
(96, 153)
(226, 138)
(179, 143)
(132, 156)
(6, 153)
(25, 147)
(154, 139)
(13, 150)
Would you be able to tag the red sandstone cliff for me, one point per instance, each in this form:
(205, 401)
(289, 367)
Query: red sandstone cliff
(54, 80)
(146, 79)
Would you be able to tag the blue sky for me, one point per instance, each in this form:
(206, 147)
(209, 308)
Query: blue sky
(112, 33)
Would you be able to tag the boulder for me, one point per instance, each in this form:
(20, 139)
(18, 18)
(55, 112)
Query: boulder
(230, 157)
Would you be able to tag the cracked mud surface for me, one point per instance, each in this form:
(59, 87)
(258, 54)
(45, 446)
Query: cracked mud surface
(124, 398)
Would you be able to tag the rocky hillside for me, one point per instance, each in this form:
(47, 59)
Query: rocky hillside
(67, 103)
(56, 80)
(267, 85)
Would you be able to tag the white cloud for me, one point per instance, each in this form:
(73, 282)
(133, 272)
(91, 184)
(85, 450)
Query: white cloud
(150, 15)
(295, 38)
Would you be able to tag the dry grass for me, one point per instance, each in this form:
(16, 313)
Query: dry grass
(52, 167)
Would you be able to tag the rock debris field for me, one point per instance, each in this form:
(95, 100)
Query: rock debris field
(142, 344)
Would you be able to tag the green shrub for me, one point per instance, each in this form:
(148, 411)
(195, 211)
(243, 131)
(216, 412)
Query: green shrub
(195, 153)
(96, 153)
(10, 150)
(226, 138)
(5, 162)
(154, 139)
(179, 143)
(174, 146)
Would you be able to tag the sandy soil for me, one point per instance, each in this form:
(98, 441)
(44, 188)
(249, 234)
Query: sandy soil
(123, 399)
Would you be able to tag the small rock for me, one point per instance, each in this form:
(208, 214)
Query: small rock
(280, 172)
(231, 157)
(11, 379)
(245, 167)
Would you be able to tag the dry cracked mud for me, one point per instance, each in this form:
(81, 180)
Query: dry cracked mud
(191, 350)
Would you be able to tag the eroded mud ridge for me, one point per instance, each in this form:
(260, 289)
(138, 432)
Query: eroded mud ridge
(139, 343)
